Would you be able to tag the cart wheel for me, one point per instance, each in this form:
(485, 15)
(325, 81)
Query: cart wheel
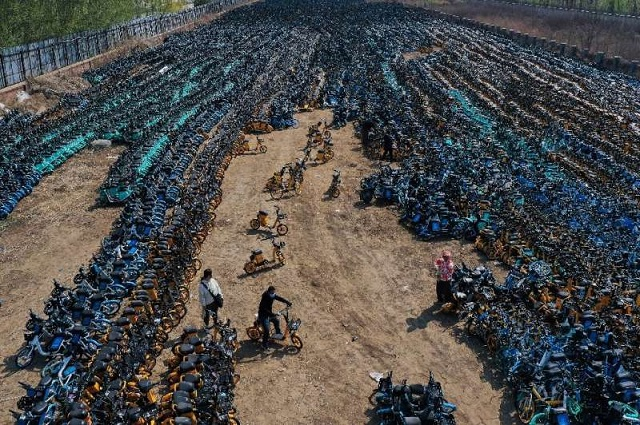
(250, 267)
(282, 229)
(255, 224)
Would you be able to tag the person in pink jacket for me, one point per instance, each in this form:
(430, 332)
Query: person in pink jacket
(444, 272)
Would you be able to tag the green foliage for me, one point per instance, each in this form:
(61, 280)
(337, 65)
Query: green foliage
(24, 21)
(621, 7)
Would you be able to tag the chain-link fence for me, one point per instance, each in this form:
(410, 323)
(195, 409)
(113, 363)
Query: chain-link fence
(33, 59)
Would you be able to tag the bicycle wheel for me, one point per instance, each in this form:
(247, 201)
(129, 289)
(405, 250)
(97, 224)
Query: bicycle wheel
(255, 224)
(276, 193)
(471, 327)
(263, 149)
(492, 343)
(524, 406)
(180, 309)
(166, 324)
(184, 294)
(335, 192)
(110, 308)
(254, 333)
(25, 357)
(250, 267)
(197, 263)
(282, 229)
(51, 368)
(297, 342)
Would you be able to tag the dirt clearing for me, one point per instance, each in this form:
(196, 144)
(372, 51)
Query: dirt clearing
(361, 285)
(359, 281)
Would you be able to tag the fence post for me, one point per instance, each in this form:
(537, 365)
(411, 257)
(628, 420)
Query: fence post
(3, 83)
(24, 69)
(39, 61)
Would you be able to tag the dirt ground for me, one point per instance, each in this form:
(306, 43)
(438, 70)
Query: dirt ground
(50, 234)
(361, 284)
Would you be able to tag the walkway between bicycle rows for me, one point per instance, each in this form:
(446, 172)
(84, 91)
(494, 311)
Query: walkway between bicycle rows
(361, 285)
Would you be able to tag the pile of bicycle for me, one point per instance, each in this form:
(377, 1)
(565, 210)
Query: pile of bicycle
(413, 404)
(532, 156)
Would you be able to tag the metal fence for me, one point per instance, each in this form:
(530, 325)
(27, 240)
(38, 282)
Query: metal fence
(30, 60)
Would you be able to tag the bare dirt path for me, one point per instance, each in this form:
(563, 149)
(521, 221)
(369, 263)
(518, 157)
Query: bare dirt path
(48, 236)
(361, 285)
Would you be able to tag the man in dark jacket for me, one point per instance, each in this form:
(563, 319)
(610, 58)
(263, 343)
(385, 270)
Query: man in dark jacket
(266, 315)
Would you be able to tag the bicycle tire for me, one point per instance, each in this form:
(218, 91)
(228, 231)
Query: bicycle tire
(254, 333)
(276, 194)
(296, 341)
(525, 408)
(24, 357)
(282, 229)
(110, 308)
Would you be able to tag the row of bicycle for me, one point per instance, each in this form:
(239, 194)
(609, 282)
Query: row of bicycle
(562, 360)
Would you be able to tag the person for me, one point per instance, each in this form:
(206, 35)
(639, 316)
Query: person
(266, 315)
(210, 297)
(388, 147)
(444, 273)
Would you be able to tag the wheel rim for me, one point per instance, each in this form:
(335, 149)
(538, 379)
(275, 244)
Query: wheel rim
(296, 341)
(524, 407)
(24, 357)
(282, 229)
(249, 268)
(253, 333)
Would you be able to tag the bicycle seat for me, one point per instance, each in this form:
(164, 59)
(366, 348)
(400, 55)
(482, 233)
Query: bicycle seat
(115, 336)
(180, 397)
(134, 413)
(263, 212)
(626, 385)
(181, 420)
(186, 387)
(78, 413)
(115, 385)
(184, 407)
(195, 341)
(39, 408)
(555, 372)
(622, 374)
(145, 385)
(189, 330)
(256, 252)
(193, 378)
(186, 366)
(123, 322)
